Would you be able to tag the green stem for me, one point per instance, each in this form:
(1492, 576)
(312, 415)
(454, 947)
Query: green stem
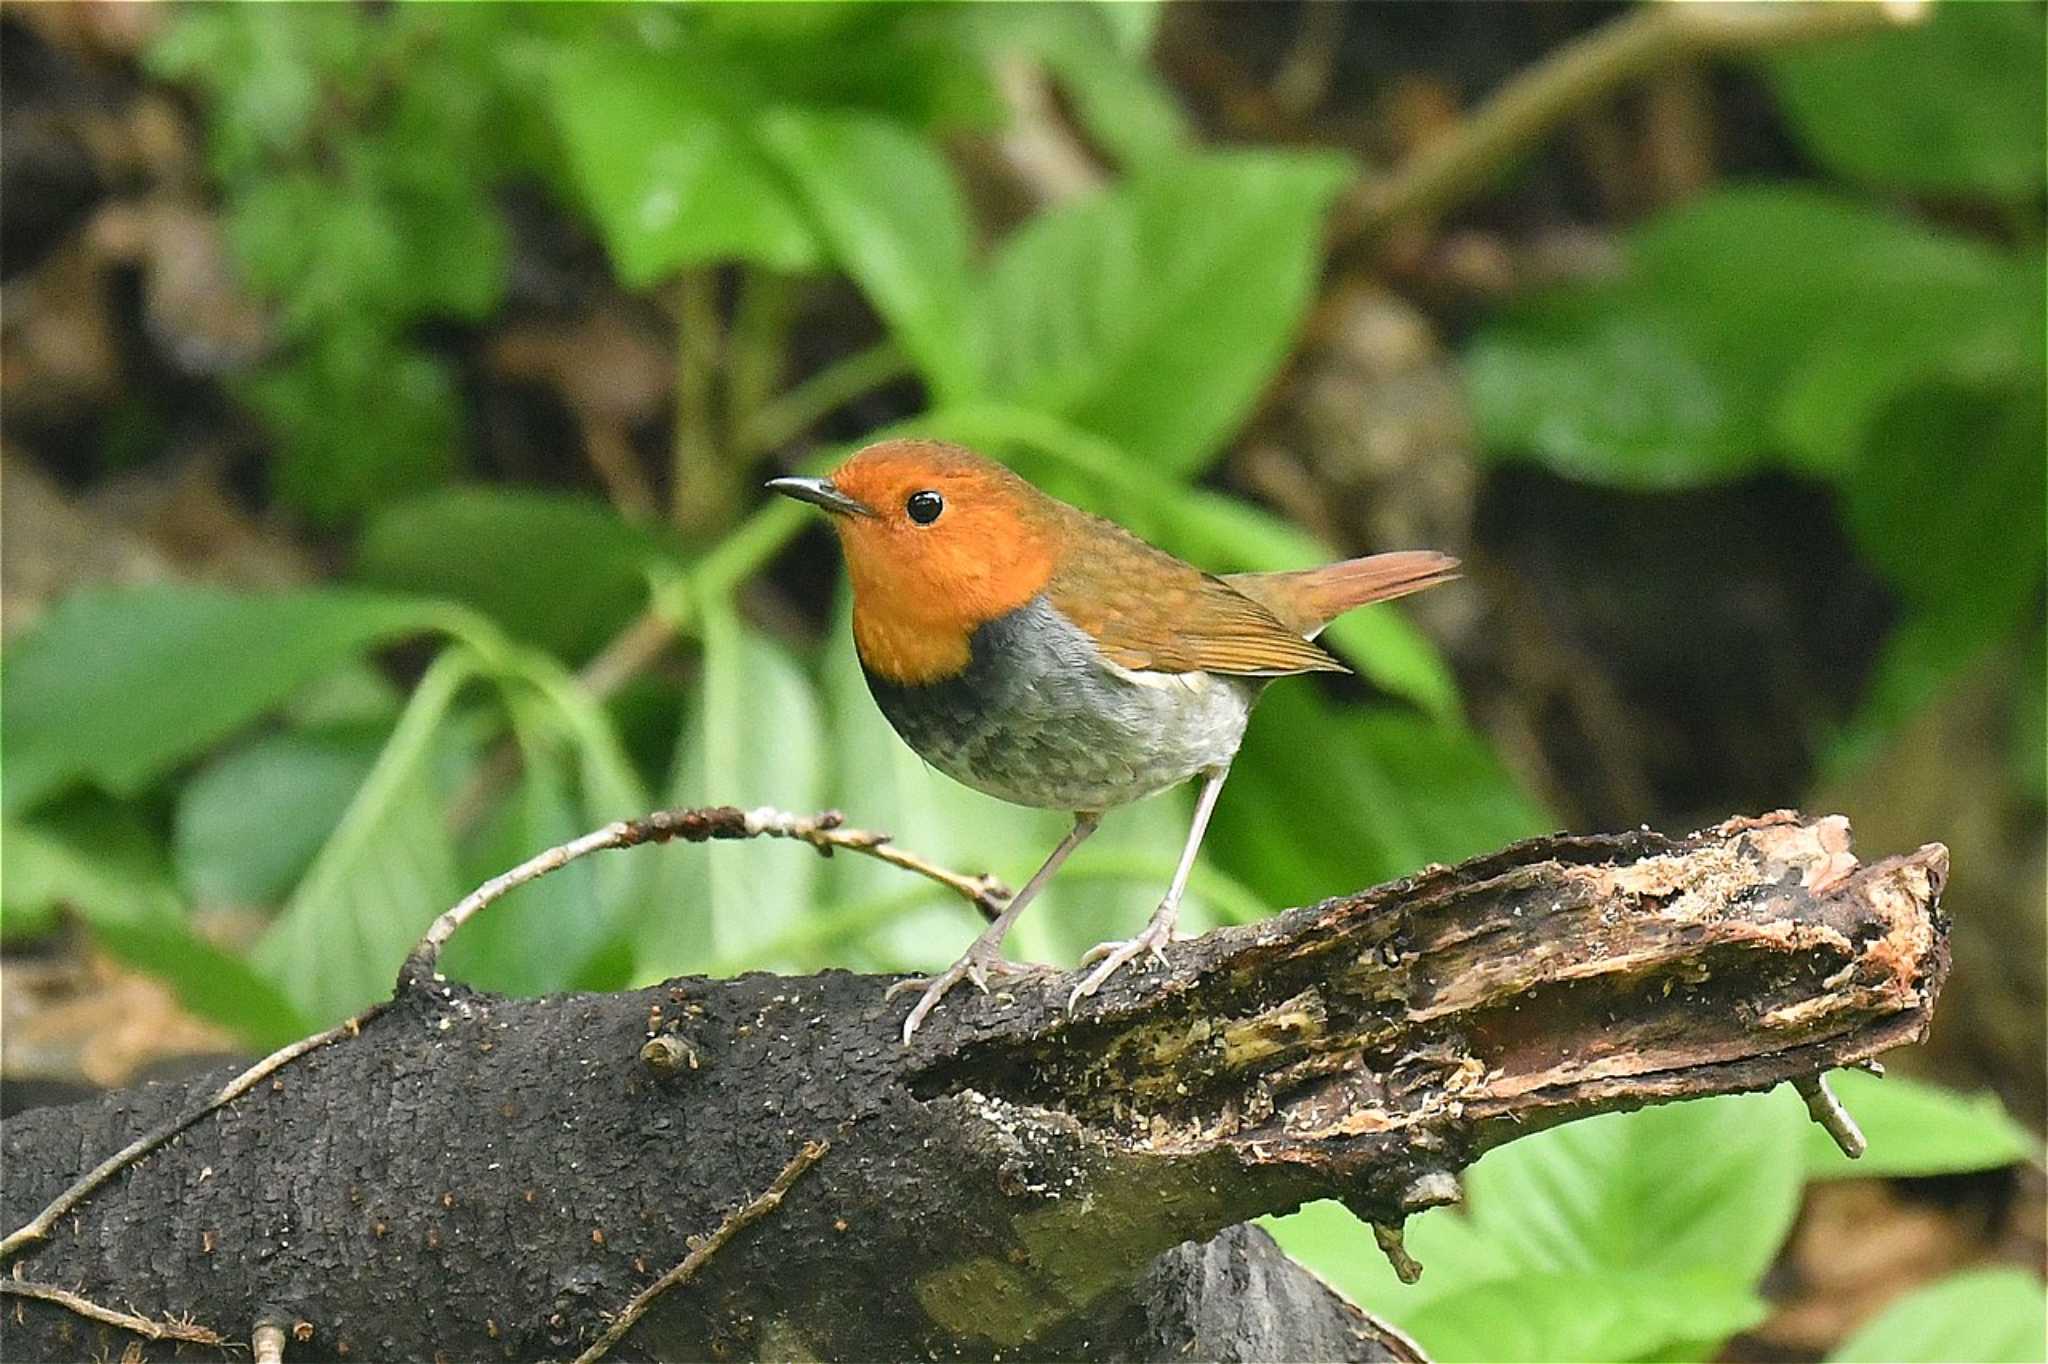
(778, 422)
(756, 353)
(700, 493)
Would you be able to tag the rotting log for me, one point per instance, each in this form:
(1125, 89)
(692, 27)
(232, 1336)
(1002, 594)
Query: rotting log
(475, 1177)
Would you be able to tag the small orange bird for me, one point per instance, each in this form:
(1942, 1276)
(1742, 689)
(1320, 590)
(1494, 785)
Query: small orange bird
(1051, 658)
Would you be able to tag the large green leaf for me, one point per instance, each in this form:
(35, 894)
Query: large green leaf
(360, 418)
(1328, 798)
(91, 855)
(1951, 104)
(116, 687)
(753, 736)
(1949, 503)
(1949, 499)
(381, 877)
(545, 935)
(1709, 1184)
(1985, 1316)
(1918, 1129)
(1154, 314)
(1576, 1318)
(888, 209)
(94, 858)
(660, 148)
(1097, 54)
(249, 823)
(1613, 1238)
(560, 571)
(1747, 322)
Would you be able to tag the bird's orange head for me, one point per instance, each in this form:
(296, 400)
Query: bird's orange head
(938, 541)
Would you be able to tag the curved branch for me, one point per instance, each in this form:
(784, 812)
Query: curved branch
(1528, 108)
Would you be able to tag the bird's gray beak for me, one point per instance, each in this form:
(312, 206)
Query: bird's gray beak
(819, 492)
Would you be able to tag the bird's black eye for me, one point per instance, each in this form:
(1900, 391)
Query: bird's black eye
(924, 507)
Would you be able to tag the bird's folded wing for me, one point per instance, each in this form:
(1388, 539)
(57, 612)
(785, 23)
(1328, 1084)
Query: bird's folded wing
(1148, 610)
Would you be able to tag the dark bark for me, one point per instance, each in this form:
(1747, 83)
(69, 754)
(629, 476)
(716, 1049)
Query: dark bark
(476, 1177)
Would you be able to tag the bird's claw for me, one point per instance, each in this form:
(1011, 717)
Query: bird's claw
(977, 966)
(1115, 955)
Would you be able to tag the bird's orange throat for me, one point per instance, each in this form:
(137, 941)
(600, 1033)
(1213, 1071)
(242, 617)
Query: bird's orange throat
(918, 599)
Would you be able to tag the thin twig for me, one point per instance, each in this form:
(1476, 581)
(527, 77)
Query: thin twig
(38, 1228)
(768, 1200)
(617, 466)
(824, 831)
(629, 654)
(1827, 1110)
(1525, 110)
(188, 1331)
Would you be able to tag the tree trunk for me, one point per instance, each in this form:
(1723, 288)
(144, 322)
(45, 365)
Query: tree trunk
(474, 1177)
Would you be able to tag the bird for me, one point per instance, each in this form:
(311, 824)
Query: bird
(1051, 658)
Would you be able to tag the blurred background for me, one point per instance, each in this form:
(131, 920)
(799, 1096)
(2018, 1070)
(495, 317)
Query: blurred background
(388, 388)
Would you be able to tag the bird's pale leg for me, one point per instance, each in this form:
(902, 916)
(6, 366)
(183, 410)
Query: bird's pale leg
(984, 957)
(1159, 930)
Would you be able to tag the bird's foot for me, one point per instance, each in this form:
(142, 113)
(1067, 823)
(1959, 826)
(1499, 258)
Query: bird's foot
(981, 963)
(1115, 955)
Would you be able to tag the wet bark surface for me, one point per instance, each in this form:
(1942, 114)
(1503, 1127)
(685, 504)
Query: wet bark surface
(475, 1177)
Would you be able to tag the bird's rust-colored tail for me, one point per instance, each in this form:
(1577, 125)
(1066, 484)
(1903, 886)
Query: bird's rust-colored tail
(1308, 599)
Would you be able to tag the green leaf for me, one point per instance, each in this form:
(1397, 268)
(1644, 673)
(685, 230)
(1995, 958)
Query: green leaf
(1917, 1129)
(1705, 358)
(1155, 313)
(1383, 791)
(1987, 336)
(478, 546)
(1611, 1238)
(379, 880)
(96, 859)
(116, 687)
(92, 856)
(659, 146)
(266, 70)
(1950, 104)
(360, 419)
(1097, 54)
(1985, 1316)
(1571, 1318)
(1710, 1182)
(249, 823)
(753, 737)
(212, 983)
(572, 928)
(886, 205)
(1949, 503)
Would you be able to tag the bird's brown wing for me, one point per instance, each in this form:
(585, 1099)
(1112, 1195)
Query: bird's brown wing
(1151, 611)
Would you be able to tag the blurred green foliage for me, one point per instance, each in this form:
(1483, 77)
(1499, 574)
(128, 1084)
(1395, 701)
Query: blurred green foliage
(172, 747)
(1644, 1235)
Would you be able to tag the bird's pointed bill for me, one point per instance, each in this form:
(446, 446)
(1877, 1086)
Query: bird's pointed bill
(820, 492)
